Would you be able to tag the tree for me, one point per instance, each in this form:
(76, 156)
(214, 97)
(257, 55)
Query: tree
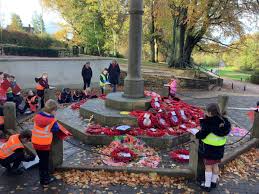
(38, 23)
(195, 21)
(16, 23)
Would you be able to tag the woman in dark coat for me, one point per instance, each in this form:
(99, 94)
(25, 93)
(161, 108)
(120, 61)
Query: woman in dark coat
(114, 74)
(87, 75)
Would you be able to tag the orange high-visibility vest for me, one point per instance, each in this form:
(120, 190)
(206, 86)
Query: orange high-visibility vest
(1, 120)
(33, 107)
(39, 87)
(8, 148)
(42, 135)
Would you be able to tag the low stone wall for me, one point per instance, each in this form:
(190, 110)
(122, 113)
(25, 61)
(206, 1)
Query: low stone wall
(62, 71)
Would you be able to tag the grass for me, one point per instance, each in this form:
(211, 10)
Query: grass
(233, 73)
(230, 72)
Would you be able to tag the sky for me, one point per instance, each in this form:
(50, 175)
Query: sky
(25, 9)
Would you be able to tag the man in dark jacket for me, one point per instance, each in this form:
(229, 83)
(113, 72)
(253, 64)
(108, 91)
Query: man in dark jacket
(114, 74)
(87, 75)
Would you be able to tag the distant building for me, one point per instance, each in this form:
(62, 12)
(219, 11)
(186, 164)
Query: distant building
(28, 29)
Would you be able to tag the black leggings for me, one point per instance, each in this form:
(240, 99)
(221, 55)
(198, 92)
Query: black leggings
(87, 83)
(40, 93)
(15, 158)
(43, 164)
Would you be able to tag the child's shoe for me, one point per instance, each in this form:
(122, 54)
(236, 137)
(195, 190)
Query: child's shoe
(213, 185)
(206, 189)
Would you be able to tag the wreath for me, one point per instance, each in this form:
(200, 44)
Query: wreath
(146, 120)
(77, 105)
(111, 132)
(95, 129)
(121, 154)
(175, 132)
(136, 132)
(162, 121)
(181, 156)
(156, 103)
(174, 118)
(155, 132)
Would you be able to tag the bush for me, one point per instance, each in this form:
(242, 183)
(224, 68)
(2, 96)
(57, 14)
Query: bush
(27, 51)
(255, 77)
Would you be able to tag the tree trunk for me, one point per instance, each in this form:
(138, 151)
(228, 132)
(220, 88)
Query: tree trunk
(152, 33)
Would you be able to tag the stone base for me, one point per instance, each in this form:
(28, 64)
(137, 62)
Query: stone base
(133, 88)
(105, 115)
(118, 102)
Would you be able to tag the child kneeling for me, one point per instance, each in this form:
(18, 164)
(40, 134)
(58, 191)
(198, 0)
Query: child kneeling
(212, 136)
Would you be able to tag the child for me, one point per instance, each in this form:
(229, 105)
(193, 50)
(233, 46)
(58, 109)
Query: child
(12, 152)
(65, 96)
(172, 88)
(42, 84)
(32, 102)
(4, 85)
(103, 80)
(1, 122)
(78, 95)
(212, 136)
(45, 126)
(42, 139)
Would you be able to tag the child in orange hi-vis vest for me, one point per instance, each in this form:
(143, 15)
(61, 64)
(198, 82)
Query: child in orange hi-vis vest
(42, 84)
(45, 126)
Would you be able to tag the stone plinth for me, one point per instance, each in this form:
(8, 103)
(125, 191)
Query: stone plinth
(118, 102)
(105, 115)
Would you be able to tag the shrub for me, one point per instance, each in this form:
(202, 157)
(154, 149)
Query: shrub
(255, 77)
(27, 51)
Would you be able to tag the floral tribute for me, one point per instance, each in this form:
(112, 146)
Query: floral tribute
(130, 151)
(166, 117)
(181, 156)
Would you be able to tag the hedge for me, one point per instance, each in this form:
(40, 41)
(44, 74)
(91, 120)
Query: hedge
(27, 51)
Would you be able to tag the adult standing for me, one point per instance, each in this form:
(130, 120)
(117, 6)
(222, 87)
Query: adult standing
(87, 74)
(114, 74)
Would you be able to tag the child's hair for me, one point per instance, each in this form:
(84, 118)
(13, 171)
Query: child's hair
(1, 73)
(213, 109)
(257, 104)
(25, 134)
(50, 106)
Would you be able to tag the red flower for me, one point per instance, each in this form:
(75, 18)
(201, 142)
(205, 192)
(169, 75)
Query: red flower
(146, 120)
(136, 132)
(175, 132)
(77, 105)
(121, 154)
(161, 121)
(177, 155)
(95, 129)
(174, 118)
(155, 132)
(112, 132)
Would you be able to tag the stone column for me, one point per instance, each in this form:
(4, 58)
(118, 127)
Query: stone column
(56, 154)
(9, 116)
(255, 132)
(223, 101)
(195, 161)
(134, 83)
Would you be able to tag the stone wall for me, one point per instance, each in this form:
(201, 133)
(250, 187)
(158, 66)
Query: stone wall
(62, 71)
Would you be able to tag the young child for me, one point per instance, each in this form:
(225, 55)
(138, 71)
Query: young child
(212, 136)
(65, 96)
(78, 95)
(42, 84)
(32, 102)
(4, 85)
(103, 80)
(1, 122)
(172, 88)
(45, 125)
(12, 152)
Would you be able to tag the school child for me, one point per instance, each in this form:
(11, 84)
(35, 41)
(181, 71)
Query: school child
(65, 96)
(32, 103)
(103, 80)
(42, 84)
(212, 136)
(1, 121)
(4, 85)
(12, 152)
(172, 88)
(45, 126)
(78, 95)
